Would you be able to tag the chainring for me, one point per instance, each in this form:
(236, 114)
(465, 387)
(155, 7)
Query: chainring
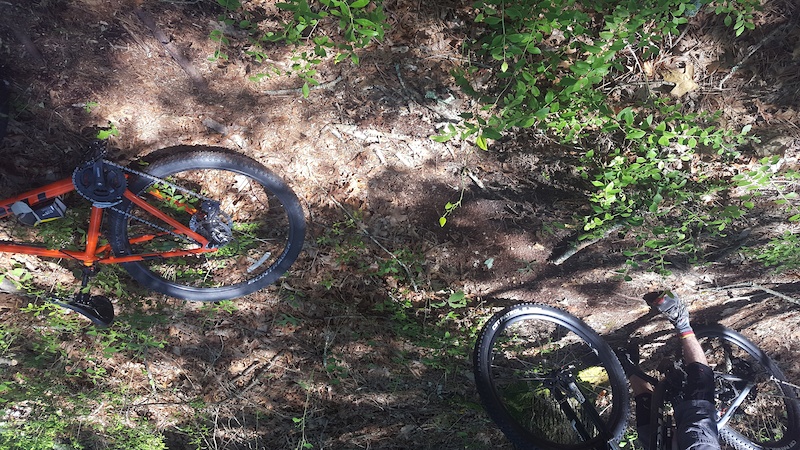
(100, 183)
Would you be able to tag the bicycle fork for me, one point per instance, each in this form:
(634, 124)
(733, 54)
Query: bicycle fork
(563, 386)
(738, 399)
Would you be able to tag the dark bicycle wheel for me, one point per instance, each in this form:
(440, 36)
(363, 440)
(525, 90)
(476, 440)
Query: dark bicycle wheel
(261, 226)
(549, 381)
(769, 416)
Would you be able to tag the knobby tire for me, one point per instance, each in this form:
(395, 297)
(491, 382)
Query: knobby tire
(542, 334)
(268, 233)
(769, 418)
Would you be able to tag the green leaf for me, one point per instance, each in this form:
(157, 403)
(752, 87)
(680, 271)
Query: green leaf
(635, 134)
(457, 300)
(541, 114)
(366, 23)
(442, 221)
(656, 200)
(306, 90)
(481, 142)
(359, 4)
(491, 133)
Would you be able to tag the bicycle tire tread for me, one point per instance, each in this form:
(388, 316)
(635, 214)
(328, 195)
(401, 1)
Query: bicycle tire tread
(733, 437)
(215, 157)
(522, 439)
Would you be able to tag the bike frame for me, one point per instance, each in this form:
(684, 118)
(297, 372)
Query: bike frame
(93, 252)
(660, 427)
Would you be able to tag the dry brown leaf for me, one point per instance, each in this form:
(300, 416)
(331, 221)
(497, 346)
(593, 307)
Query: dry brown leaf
(649, 69)
(683, 79)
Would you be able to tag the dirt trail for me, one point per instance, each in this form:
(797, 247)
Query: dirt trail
(346, 345)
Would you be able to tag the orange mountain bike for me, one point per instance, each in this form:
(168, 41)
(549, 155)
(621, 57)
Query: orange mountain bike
(196, 223)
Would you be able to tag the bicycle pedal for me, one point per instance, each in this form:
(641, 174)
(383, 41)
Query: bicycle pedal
(98, 309)
(42, 212)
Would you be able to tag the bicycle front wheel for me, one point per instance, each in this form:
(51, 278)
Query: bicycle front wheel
(549, 381)
(769, 416)
(263, 225)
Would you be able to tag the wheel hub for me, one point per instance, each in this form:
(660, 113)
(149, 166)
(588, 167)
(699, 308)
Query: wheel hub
(213, 224)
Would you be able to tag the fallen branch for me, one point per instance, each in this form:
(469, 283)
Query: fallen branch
(582, 245)
(186, 65)
(751, 285)
(26, 42)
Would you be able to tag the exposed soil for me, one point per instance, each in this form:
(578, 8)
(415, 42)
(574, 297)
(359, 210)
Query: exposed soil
(327, 344)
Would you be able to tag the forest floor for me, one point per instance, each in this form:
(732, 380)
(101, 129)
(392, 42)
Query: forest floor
(357, 347)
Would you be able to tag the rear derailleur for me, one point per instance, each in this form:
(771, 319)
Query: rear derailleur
(213, 224)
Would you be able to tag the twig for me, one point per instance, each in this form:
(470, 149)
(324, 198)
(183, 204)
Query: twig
(372, 238)
(136, 38)
(165, 41)
(294, 91)
(786, 27)
(752, 285)
(150, 378)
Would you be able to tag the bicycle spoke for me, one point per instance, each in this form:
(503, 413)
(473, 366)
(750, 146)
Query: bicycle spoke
(750, 400)
(525, 359)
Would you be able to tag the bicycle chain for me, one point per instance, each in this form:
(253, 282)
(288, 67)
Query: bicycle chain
(160, 180)
(154, 178)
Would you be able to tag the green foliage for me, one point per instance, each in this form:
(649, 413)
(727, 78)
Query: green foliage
(345, 244)
(36, 433)
(438, 326)
(553, 62)
(781, 253)
(738, 13)
(67, 232)
(318, 29)
(359, 22)
(89, 106)
(629, 440)
(107, 131)
(552, 55)
(222, 41)
(768, 179)
(53, 406)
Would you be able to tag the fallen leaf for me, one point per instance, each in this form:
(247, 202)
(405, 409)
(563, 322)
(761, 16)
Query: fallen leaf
(683, 79)
(649, 69)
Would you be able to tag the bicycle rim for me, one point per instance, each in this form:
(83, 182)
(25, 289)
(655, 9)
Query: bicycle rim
(266, 229)
(519, 351)
(769, 417)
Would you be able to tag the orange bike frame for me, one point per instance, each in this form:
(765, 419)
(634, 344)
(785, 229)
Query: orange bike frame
(93, 252)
